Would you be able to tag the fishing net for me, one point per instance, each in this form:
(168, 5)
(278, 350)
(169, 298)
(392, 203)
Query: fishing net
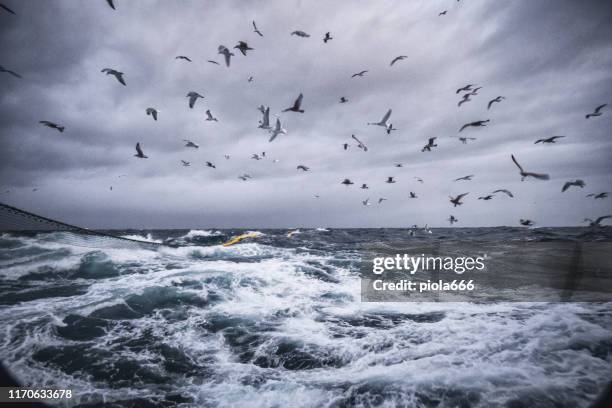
(15, 221)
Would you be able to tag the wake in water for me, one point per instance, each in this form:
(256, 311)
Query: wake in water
(279, 322)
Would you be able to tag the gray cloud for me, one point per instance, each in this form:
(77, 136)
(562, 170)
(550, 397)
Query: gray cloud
(551, 59)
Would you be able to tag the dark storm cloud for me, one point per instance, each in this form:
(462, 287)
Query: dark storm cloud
(551, 59)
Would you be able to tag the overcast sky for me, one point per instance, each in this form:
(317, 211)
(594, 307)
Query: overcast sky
(551, 59)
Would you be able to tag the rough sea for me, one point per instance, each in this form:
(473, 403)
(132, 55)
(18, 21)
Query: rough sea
(279, 322)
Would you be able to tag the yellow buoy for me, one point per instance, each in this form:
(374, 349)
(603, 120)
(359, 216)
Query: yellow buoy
(239, 238)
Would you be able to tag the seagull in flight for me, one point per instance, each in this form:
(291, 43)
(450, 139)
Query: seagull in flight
(8, 71)
(466, 88)
(52, 125)
(327, 37)
(526, 222)
(302, 167)
(466, 98)
(466, 178)
(486, 198)
(398, 58)
(477, 123)
(596, 196)
(525, 174)
(256, 30)
(296, 105)
(548, 140)
(503, 190)
(210, 117)
(390, 180)
(366, 202)
(250, 79)
(245, 177)
(413, 194)
(577, 183)
(117, 74)
(420, 180)
(457, 200)
(360, 144)
(452, 219)
(186, 163)
(227, 156)
(597, 222)
(390, 128)
(443, 13)
(359, 74)
(213, 62)
(193, 97)
(8, 9)
(381, 199)
(226, 54)
(255, 156)
(383, 121)
(209, 164)
(278, 129)
(152, 112)
(343, 99)
(243, 47)
(182, 57)
(429, 145)
(300, 34)
(492, 101)
(265, 122)
(465, 139)
(345, 146)
(111, 4)
(139, 152)
(597, 111)
(189, 143)
(347, 182)
(364, 186)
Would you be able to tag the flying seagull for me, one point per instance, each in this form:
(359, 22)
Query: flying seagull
(466, 178)
(366, 202)
(390, 180)
(548, 140)
(345, 145)
(152, 112)
(596, 196)
(226, 53)
(359, 74)
(209, 164)
(193, 97)
(452, 219)
(8, 71)
(296, 105)
(300, 34)
(360, 143)
(429, 145)
(117, 74)
(442, 13)
(245, 177)
(597, 111)
(381, 199)
(265, 122)
(243, 47)
(278, 129)
(250, 79)
(577, 183)
(390, 128)
(186, 163)
(227, 156)
(420, 180)
(468, 87)
(183, 58)
(526, 222)
(492, 101)
(597, 222)
(302, 167)
(8, 9)
(111, 4)
(52, 125)
(503, 190)
(525, 174)
(364, 186)
(477, 123)
(465, 139)
(398, 165)
(398, 58)
(256, 30)
(486, 198)
(255, 156)
(466, 98)
(475, 91)
(139, 152)
(327, 37)
(457, 200)
(383, 121)
(210, 117)
(343, 99)
(213, 62)
(347, 182)
(413, 194)
(189, 143)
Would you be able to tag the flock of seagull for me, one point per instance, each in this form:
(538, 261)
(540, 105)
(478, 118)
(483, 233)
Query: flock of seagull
(467, 93)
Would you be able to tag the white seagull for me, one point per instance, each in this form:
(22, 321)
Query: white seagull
(277, 130)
